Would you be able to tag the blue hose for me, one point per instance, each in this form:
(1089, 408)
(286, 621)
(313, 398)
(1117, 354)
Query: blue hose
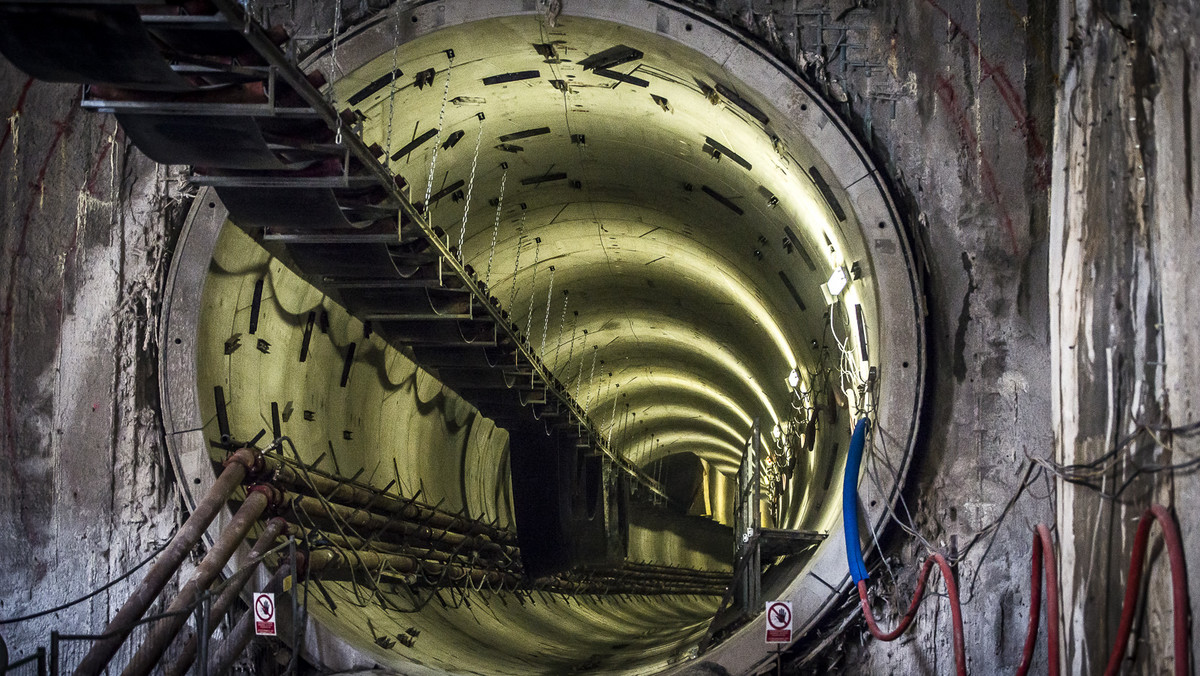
(854, 556)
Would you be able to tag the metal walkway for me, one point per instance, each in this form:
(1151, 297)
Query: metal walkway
(201, 83)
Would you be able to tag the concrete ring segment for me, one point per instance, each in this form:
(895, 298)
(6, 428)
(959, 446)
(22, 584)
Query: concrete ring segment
(765, 149)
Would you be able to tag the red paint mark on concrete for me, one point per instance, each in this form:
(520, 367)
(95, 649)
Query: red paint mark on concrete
(1026, 125)
(991, 188)
(16, 109)
(95, 172)
(62, 129)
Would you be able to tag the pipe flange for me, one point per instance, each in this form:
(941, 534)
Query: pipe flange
(274, 496)
(251, 458)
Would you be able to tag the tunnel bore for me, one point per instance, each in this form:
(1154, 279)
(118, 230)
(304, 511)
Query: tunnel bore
(723, 252)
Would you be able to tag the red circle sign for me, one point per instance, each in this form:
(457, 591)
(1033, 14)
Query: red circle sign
(264, 608)
(779, 616)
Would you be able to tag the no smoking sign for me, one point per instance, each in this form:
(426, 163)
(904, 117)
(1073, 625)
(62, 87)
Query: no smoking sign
(779, 622)
(264, 614)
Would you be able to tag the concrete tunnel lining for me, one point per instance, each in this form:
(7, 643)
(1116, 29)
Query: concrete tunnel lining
(871, 234)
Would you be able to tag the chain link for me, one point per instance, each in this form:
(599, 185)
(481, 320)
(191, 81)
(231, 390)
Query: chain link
(546, 321)
(392, 85)
(512, 294)
(562, 323)
(574, 329)
(462, 233)
(437, 141)
(591, 376)
(487, 280)
(630, 419)
(612, 418)
(335, 66)
(537, 253)
(579, 375)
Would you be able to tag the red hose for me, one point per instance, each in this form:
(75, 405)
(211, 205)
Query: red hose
(1133, 586)
(960, 650)
(1043, 561)
(1043, 550)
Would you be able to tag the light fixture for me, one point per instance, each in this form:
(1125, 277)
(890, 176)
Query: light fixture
(793, 379)
(837, 282)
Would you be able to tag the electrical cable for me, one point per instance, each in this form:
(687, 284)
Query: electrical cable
(1043, 562)
(99, 590)
(858, 568)
(1043, 553)
(1179, 590)
(854, 556)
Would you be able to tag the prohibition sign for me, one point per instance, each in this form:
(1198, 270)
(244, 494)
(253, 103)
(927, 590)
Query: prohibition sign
(264, 614)
(779, 622)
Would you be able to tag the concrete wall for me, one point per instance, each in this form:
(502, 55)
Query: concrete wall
(83, 245)
(1125, 292)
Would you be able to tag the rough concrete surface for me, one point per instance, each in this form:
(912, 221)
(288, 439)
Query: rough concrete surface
(84, 496)
(1123, 270)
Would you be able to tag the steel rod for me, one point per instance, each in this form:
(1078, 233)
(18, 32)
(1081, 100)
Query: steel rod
(361, 518)
(233, 588)
(340, 491)
(164, 568)
(164, 631)
(236, 641)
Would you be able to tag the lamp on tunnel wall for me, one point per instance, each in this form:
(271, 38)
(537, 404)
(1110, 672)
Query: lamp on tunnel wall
(838, 281)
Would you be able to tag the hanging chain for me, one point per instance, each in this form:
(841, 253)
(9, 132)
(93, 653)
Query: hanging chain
(546, 321)
(335, 67)
(623, 435)
(601, 390)
(574, 328)
(562, 323)
(512, 294)
(392, 85)
(487, 279)
(462, 233)
(437, 139)
(579, 375)
(537, 252)
(612, 418)
(591, 376)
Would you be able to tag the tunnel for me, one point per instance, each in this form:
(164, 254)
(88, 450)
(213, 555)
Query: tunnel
(667, 220)
(691, 337)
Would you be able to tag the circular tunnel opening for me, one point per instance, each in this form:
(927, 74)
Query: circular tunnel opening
(680, 229)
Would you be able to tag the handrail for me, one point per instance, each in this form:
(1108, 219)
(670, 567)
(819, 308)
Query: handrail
(297, 80)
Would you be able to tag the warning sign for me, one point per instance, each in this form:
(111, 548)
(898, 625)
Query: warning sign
(264, 614)
(779, 622)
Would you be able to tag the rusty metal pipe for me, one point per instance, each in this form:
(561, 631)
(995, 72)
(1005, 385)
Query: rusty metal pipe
(237, 640)
(233, 588)
(258, 499)
(164, 568)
